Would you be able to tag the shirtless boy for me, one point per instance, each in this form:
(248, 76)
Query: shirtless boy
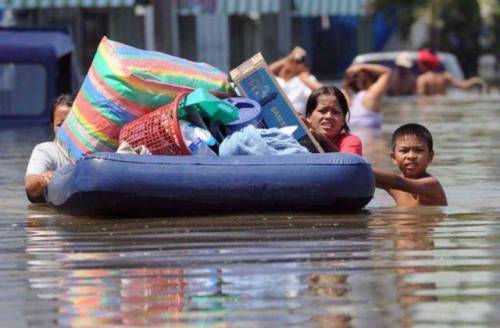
(412, 152)
(431, 82)
(402, 82)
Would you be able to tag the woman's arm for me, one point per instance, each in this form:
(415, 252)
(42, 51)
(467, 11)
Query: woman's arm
(372, 68)
(467, 84)
(309, 80)
(276, 66)
(296, 54)
(378, 89)
(327, 145)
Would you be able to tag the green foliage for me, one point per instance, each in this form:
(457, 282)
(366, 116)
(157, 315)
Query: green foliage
(407, 11)
(455, 24)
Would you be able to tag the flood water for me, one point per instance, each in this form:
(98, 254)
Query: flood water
(386, 266)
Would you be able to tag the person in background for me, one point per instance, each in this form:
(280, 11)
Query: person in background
(431, 82)
(402, 82)
(365, 85)
(326, 117)
(412, 152)
(47, 156)
(294, 77)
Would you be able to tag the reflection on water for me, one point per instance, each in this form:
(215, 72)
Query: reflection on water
(412, 245)
(384, 267)
(244, 270)
(376, 146)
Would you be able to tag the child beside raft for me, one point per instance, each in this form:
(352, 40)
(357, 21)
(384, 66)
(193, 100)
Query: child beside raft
(47, 156)
(412, 151)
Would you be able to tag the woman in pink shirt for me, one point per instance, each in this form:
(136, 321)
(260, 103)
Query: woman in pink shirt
(326, 116)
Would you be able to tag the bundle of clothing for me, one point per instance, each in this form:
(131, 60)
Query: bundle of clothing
(253, 141)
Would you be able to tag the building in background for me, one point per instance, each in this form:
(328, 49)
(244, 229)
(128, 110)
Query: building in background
(86, 21)
(223, 33)
(226, 32)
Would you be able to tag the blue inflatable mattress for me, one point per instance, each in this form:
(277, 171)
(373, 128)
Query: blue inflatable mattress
(133, 185)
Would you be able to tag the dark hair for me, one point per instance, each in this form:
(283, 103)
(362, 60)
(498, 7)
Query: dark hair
(64, 99)
(300, 60)
(350, 80)
(412, 129)
(312, 101)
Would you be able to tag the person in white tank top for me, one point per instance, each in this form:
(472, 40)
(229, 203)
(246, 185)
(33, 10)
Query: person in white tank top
(292, 73)
(365, 85)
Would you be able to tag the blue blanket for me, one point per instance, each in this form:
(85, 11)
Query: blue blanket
(253, 141)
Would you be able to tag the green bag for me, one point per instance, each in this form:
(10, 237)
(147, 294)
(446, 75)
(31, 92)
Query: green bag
(208, 105)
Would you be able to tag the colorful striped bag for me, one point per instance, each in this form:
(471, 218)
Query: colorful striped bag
(124, 83)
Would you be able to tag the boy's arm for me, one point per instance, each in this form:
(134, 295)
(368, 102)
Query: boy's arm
(38, 173)
(427, 186)
(35, 185)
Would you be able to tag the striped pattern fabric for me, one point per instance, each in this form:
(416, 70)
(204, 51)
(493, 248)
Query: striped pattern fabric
(308, 8)
(305, 8)
(228, 7)
(36, 4)
(124, 83)
(244, 7)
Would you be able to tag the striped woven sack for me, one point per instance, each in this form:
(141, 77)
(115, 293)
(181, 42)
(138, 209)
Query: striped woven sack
(124, 83)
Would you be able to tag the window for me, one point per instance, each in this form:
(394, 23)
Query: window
(23, 89)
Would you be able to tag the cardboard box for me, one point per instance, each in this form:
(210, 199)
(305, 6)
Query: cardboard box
(254, 80)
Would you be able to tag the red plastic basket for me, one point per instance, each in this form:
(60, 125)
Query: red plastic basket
(159, 131)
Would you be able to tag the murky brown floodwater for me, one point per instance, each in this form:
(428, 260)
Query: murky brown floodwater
(384, 267)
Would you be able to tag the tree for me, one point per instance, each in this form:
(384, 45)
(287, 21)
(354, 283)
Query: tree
(455, 25)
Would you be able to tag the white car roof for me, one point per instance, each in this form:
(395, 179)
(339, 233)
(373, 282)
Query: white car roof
(449, 61)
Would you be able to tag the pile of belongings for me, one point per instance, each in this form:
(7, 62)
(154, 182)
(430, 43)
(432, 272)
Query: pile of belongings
(146, 102)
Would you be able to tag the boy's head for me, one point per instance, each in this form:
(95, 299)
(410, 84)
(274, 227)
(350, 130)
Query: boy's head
(60, 109)
(412, 149)
(414, 129)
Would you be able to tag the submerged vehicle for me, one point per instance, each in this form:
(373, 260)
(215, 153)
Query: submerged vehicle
(448, 61)
(112, 184)
(36, 65)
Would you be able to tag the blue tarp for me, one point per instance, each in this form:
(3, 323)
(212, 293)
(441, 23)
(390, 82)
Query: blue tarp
(16, 43)
(30, 64)
(384, 25)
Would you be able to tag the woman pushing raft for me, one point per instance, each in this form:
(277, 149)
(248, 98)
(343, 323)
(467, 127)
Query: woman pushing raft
(326, 116)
